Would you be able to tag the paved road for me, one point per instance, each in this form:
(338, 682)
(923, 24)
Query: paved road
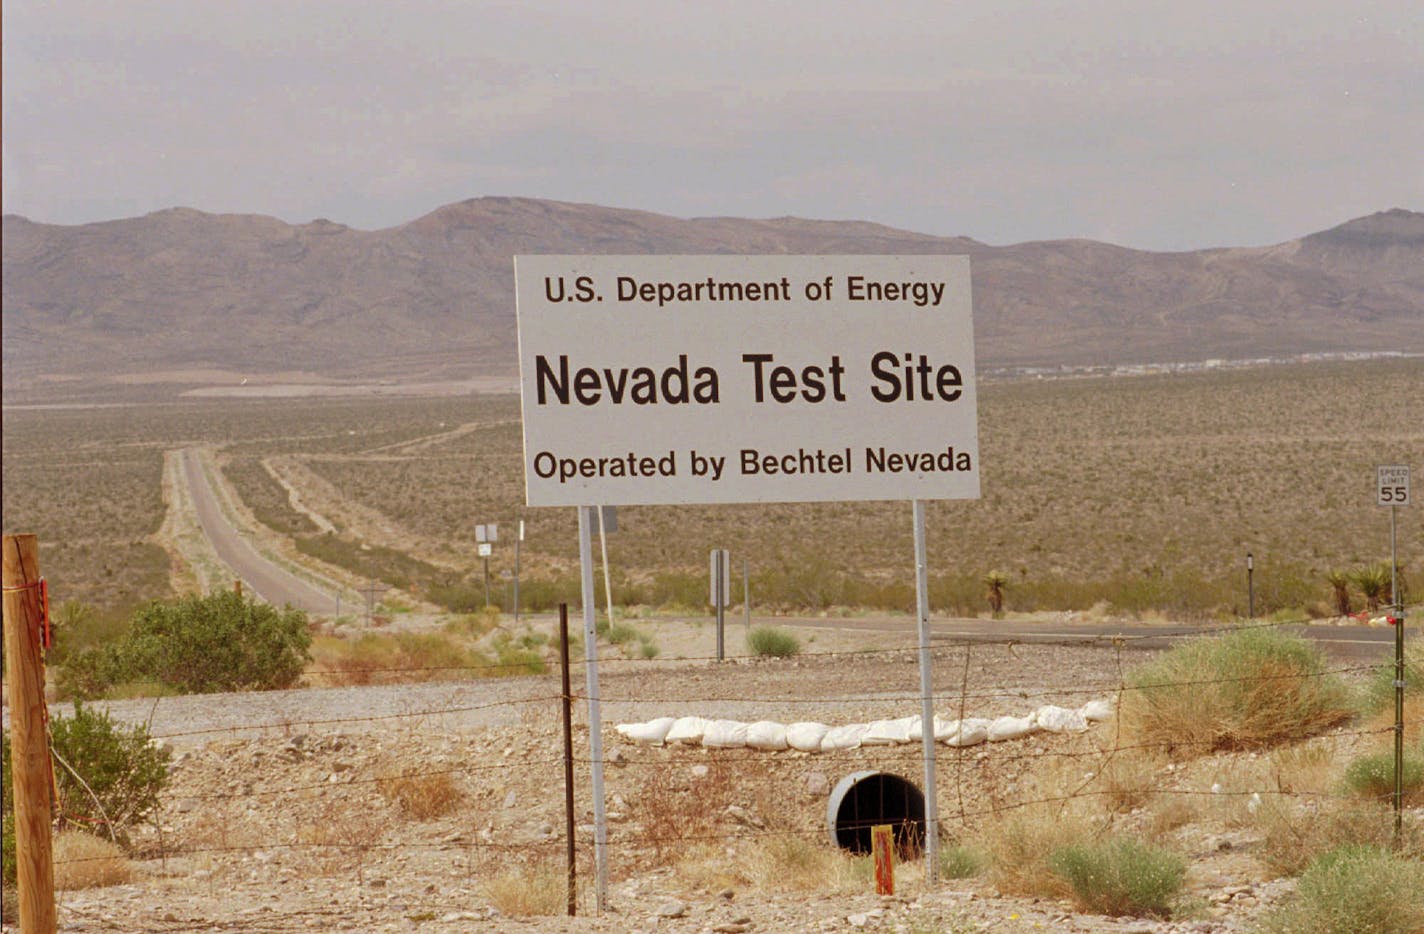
(266, 579)
(1346, 644)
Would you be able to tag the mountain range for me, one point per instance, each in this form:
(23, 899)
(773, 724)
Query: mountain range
(188, 296)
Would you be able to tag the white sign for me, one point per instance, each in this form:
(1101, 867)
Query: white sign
(1392, 485)
(728, 379)
(486, 549)
(487, 533)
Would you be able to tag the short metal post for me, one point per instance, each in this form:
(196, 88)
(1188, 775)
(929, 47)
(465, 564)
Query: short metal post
(566, 704)
(927, 737)
(1250, 586)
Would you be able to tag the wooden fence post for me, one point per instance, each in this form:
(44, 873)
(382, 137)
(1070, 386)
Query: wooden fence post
(29, 744)
(882, 850)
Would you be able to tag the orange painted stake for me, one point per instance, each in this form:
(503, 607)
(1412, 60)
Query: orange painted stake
(29, 743)
(882, 853)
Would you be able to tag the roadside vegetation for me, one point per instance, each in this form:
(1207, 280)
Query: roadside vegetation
(109, 780)
(1103, 496)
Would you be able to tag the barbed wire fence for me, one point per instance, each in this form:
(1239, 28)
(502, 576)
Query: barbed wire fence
(268, 805)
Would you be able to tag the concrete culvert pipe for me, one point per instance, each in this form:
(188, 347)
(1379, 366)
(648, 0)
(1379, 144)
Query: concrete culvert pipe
(863, 799)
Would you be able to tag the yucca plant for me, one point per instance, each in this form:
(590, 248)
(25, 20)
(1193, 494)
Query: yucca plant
(1339, 582)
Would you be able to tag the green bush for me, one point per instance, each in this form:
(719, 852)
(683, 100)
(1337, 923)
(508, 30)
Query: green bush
(1379, 691)
(1121, 877)
(123, 775)
(772, 641)
(1354, 890)
(1372, 776)
(196, 645)
(222, 642)
(961, 862)
(1245, 690)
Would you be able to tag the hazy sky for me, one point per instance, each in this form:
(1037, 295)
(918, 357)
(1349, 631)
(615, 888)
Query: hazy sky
(1155, 125)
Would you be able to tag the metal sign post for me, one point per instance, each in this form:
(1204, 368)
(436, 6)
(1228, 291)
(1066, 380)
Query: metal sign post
(517, 540)
(721, 585)
(927, 732)
(1250, 586)
(1392, 490)
(595, 716)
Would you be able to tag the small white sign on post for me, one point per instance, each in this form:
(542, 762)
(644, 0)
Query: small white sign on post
(1392, 485)
(746, 379)
(486, 549)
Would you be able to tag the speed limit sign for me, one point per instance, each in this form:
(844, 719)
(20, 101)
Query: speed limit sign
(1392, 488)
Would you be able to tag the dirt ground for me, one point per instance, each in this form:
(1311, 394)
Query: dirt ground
(285, 809)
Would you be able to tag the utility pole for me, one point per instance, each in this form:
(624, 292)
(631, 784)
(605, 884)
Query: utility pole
(29, 740)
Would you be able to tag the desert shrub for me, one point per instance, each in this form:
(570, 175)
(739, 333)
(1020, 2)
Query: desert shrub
(1372, 776)
(1121, 876)
(78, 627)
(1019, 846)
(1373, 583)
(794, 863)
(123, 771)
(621, 633)
(772, 641)
(1354, 890)
(403, 657)
(514, 656)
(1296, 835)
(84, 861)
(474, 623)
(90, 672)
(221, 642)
(1248, 689)
(1379, 691)
(958, 861)
(422, 797)
(539, 890)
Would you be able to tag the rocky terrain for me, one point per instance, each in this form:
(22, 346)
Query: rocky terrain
(285, 811)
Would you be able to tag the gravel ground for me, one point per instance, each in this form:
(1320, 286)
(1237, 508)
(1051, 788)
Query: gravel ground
(284, 813)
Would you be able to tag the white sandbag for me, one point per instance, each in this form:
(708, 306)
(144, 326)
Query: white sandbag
(944, 729)
(686, 730)
(1097, 710)
(766, 734)
(1059, 719)
(1010, 728)
(891, 732)
(654, 731)
(806, 736)
(725, 734)
(971, 731)
(843, 737)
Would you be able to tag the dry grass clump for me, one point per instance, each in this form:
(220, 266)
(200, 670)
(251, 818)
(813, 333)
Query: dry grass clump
(1297, 833)
(1020, 843)
(422, 797)
(84, 861)
(796, 863)
(535, 890)
(675, 805)
(381, 658)
(1121, 876)
(1246, 690)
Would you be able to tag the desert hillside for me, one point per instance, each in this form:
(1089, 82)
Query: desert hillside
(184, 292)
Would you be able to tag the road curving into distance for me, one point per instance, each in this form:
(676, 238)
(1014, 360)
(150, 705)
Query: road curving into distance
(270, 582)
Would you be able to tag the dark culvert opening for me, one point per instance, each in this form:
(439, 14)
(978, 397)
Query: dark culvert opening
(864, 799)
